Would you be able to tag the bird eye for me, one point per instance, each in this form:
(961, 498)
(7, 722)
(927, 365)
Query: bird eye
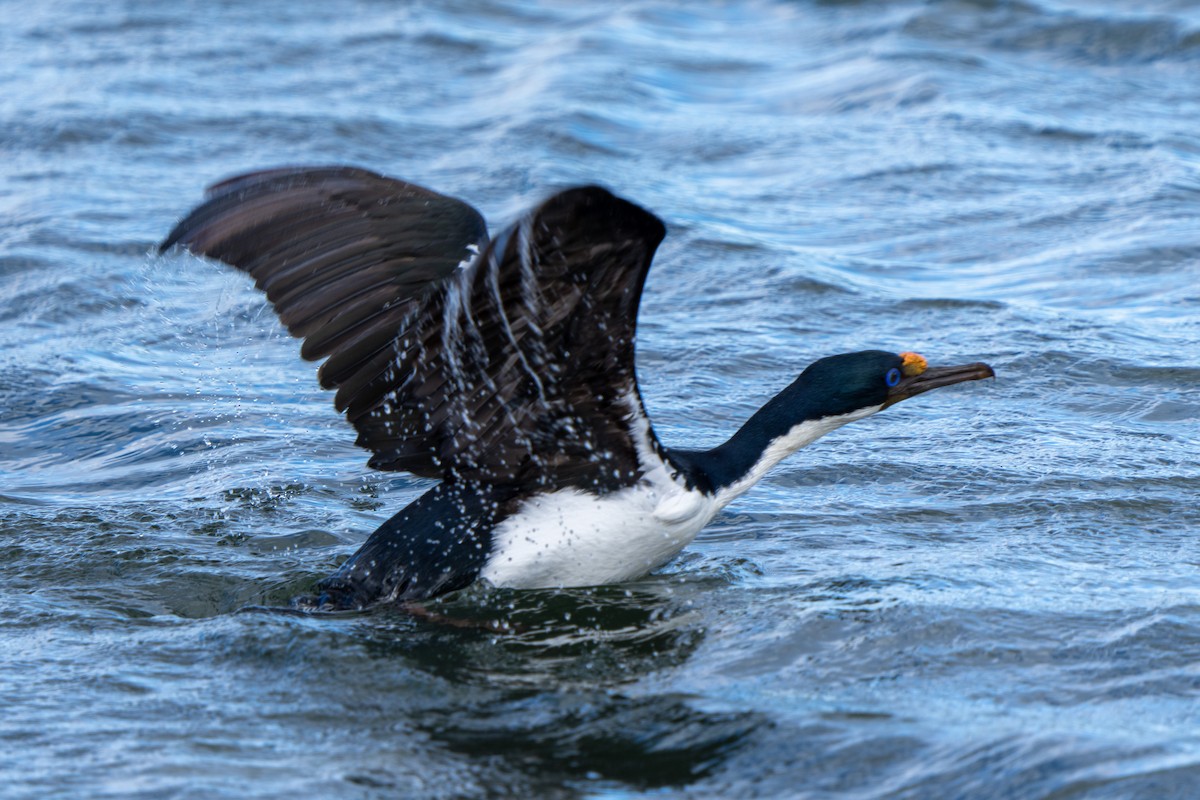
(893, 377)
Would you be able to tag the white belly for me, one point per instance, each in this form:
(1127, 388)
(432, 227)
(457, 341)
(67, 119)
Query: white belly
(571, 538)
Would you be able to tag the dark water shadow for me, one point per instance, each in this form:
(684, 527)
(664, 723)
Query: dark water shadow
(548, 689)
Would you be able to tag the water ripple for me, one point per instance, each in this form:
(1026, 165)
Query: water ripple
(986, 593)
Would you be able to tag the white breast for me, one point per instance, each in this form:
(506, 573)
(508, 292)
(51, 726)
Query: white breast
(573, 538)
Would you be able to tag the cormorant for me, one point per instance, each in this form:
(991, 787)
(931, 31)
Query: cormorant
(504, 368)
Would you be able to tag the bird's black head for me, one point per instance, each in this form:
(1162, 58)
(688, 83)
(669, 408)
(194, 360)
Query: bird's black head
(843, 384)
(872, 379)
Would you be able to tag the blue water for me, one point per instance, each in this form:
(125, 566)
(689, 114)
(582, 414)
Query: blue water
(989, 592)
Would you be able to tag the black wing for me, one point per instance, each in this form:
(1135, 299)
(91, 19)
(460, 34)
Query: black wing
(342, 253)
(517, 368)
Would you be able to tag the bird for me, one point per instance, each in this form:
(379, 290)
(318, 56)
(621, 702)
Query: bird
(503, 368)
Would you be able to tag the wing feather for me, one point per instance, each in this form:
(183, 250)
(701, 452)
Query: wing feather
(510, 369)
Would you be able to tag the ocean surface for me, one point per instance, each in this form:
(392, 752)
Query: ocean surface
(992, 591)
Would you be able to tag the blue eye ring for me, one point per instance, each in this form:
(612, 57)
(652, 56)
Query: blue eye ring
(892, 378)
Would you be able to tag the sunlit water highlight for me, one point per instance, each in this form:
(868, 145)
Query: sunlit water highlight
(993, 592)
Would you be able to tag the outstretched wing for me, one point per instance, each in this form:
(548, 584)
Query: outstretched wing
(517, 368)
(342, 253)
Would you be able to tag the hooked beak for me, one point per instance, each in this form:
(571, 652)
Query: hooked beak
(935, 378)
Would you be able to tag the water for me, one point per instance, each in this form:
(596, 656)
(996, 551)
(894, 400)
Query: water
(989, 592)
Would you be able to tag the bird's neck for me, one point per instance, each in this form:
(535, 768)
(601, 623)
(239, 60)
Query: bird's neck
(791, 420)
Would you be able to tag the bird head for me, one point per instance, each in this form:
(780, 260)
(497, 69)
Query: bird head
(876, 379)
